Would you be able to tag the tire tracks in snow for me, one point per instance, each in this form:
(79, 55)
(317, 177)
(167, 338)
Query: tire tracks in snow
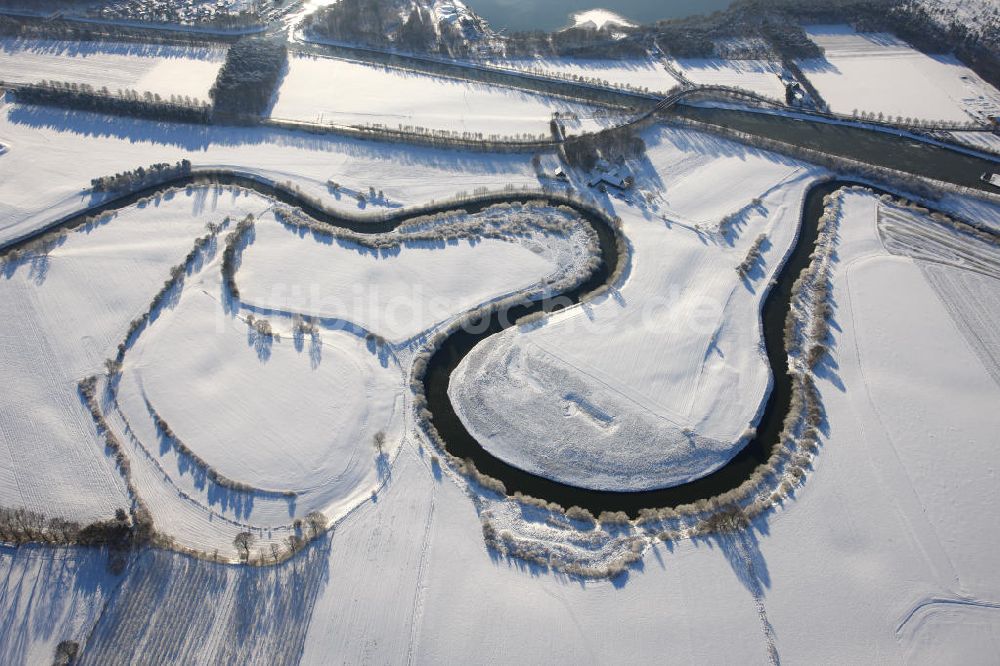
(420, 590)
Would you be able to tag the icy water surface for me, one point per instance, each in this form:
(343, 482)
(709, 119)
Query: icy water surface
(510, 15)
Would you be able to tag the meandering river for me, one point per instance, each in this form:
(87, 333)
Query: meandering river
(457, 439)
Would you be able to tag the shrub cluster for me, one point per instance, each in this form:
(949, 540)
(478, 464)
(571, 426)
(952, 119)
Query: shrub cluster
(727, 224)
(262, 328)
(49, 27)
(128, 181)
(531, 550)
(40, 246)
(88, 393)
(304, 325)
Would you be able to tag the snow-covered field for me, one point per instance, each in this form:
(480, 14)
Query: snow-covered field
(642, 74)
(330, 91)
(759, 76)
(163, 70)
(49, 595)
(273, 414)
(398, 293)
(886, 552)
(877, 73)
(66, 312)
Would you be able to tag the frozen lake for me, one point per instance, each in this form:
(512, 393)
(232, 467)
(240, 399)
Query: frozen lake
(554, 14)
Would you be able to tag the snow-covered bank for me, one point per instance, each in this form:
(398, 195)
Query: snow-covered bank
(986, 141)
(599, 19)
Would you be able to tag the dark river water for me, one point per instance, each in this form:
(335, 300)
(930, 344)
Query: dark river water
(462, 444)
(550, 15)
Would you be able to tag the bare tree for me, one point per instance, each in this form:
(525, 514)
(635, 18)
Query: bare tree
(243, 543)
(316, 522)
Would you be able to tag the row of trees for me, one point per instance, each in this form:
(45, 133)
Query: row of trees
(119, 534)
(911, 121)
(167, 433)
(247, 79)
(23, 526)
(85, 97)
(455, 135)
(174, 281)
(752, 257)
(231, 254)
(433, 137)
(314, 524)
(577, 78)
(140, 177)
